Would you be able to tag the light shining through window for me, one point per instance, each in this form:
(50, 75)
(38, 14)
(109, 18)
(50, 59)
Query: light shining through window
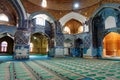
(67, 30)
(80, 29)
(40, 19)
(3, 17)
(110, 22)
(44, 3)
(4, 45)
(31, 47)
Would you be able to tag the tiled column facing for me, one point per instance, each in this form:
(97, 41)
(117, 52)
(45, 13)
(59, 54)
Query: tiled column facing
(21, 46)
(21, 52)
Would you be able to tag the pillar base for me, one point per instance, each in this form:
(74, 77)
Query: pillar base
(21, 52)
(59, 51)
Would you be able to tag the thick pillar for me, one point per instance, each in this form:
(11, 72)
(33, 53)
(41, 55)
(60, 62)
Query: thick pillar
(21, 44)
(59, 40)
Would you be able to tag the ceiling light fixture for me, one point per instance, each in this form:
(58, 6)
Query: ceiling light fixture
(44, 3)
(76, 5)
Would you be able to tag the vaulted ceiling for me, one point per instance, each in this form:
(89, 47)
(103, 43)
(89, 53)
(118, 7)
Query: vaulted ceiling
(7, 9)
(65, 4)
(59, 8)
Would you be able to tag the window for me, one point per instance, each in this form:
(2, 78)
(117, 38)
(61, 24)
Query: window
(3, 17)
(40, 19)
(86, 28)
(44, 3)
(31, 47)
(80, 29)
(110, 22)
(66, 30)
(4, 45)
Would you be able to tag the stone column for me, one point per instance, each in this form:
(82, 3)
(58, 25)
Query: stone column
(21, 43)
(59, 40)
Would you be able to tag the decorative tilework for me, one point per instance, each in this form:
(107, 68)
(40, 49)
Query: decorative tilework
(21, 51)
(8, 29)
(21, 37)
(87, 41)
(59, 38)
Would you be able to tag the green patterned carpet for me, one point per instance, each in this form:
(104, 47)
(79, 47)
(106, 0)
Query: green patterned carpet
(91, 68)
(61, 69)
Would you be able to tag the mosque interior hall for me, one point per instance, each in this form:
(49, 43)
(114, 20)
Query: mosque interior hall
(59, 39)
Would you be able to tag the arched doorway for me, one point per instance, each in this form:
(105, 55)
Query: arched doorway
(72, 15)
(67, 45)
(39, 44)
(73, 27)
(104, 21)
(6, 45)
(111, 45)
(44, 22)
(79, 47)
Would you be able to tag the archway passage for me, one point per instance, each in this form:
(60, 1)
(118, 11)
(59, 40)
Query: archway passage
(78, 42)
(111, 45)
(79, 47)
(73, 27)
(67, 45)
(6, 45)
(103, 19)
(39, 44)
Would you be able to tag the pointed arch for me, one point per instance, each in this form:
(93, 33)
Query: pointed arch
(114, 5)
(97, 24)
(72, 15)
(111, 45)
(7, 44)
(22, 8)
(51, 18)
(22, 16)
(39, 43)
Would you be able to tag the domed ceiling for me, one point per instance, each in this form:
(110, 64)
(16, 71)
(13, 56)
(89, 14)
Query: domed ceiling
(59, 8)
(65, 4)
(7, 9)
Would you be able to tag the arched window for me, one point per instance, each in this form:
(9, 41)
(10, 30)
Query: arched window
(40, 19)
(44, 3)
(4, 45)
(110, 22)
(4, 17)
(80, 29)
(66, 30)
(86, 28)
(31, 47)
